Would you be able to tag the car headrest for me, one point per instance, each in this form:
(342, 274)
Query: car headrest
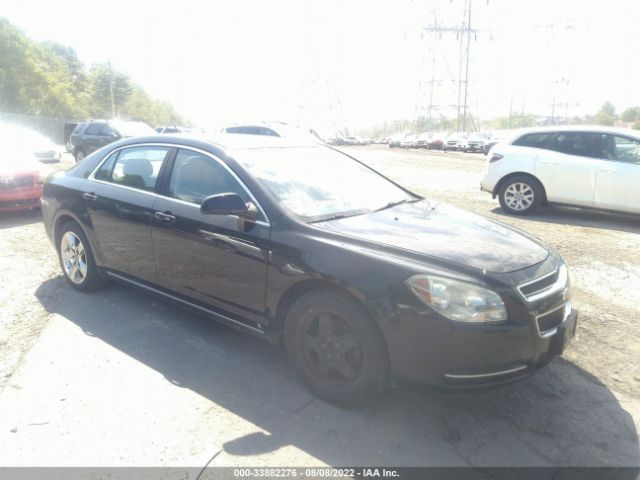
(137, 166)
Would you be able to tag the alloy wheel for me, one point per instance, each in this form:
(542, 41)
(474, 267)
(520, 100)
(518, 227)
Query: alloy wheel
(74, 257)
(519, 196)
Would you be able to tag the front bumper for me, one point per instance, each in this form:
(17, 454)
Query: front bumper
(20, 198)
(472, 355)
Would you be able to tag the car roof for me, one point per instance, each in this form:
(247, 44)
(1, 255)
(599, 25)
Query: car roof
(581, 128)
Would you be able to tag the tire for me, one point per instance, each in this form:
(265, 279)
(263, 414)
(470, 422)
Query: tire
(520, 195)
(79, 269)
(337, 350)
(80, 155)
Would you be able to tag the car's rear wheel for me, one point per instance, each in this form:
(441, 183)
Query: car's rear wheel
(335, 347)
(76, 258)
(520, 195)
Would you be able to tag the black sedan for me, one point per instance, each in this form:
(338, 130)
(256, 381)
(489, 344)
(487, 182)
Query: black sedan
(360, 278)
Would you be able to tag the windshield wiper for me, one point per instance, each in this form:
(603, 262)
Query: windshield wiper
(338, 216)
(399, 202)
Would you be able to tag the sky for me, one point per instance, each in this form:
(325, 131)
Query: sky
(356, 63)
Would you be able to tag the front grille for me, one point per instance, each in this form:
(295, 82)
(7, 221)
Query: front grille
(545, 286)
(551, 320)
(540, 285)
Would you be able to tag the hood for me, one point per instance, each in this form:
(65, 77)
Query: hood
(447, 233)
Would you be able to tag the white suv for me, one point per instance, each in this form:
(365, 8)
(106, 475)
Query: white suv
(595, 167)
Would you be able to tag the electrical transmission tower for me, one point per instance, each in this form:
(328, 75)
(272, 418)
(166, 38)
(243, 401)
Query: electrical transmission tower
(463, 32)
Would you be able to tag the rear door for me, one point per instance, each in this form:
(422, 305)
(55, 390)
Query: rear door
(119, 197)
(618, 176)
(219, 260)
(567, 167)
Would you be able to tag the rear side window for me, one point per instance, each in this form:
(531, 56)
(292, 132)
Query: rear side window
(622, 149)
(535, 140)
(583, 144)
(136, 167)
(94, 129)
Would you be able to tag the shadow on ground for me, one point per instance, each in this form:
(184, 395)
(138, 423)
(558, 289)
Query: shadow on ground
(581, 217)
(563, 416)
(19, 218)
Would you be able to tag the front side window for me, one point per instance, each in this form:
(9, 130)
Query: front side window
(317, 183)
(583, 144)
(196, 176)
(621, 149)
(136, 167)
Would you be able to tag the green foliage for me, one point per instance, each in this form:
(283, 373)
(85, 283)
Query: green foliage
(631, 114)
(608, 109)
(48, 79)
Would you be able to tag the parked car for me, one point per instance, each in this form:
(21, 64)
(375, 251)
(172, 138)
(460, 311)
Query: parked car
(475, 142)
(27, 140)
(21, 177)
(359, 277)
(409, 141)
(436, 141)
(594, 167)
(396, 140)
(90, 136)
(279, 129)
(497, 136)
(454, 141)
(423, 140)
(174, 129)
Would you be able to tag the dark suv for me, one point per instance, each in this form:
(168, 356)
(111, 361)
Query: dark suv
(90, 136)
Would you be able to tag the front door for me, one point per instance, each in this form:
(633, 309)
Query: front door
(219, 260)
(119, 200)
(618, 176)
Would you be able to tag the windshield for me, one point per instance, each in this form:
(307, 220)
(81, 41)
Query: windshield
(133, 129)
(319, 183)
(478, 136)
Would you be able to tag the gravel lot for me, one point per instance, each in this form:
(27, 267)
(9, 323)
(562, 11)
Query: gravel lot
(229, 399)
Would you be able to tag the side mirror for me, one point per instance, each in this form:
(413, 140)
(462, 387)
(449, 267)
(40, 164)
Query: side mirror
(224, 204)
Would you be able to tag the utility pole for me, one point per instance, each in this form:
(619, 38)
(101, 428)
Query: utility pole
(113, 103)
(466, 74)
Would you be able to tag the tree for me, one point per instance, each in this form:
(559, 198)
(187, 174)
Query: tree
(631, 114)
(608, 108)
(48, 79)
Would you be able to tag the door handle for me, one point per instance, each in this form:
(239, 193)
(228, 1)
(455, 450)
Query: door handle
(607, 170)
(90, 196)
(165, 216)
(551, 164)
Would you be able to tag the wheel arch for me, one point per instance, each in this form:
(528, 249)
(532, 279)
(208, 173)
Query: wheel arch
(294, 292)
(66, 216)
(501, 182)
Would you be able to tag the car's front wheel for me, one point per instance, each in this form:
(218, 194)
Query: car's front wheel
(80, 155)
(335, 347)
(76, 258)
(520, 195)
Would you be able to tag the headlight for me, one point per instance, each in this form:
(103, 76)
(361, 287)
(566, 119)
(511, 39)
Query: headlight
(461, 301)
